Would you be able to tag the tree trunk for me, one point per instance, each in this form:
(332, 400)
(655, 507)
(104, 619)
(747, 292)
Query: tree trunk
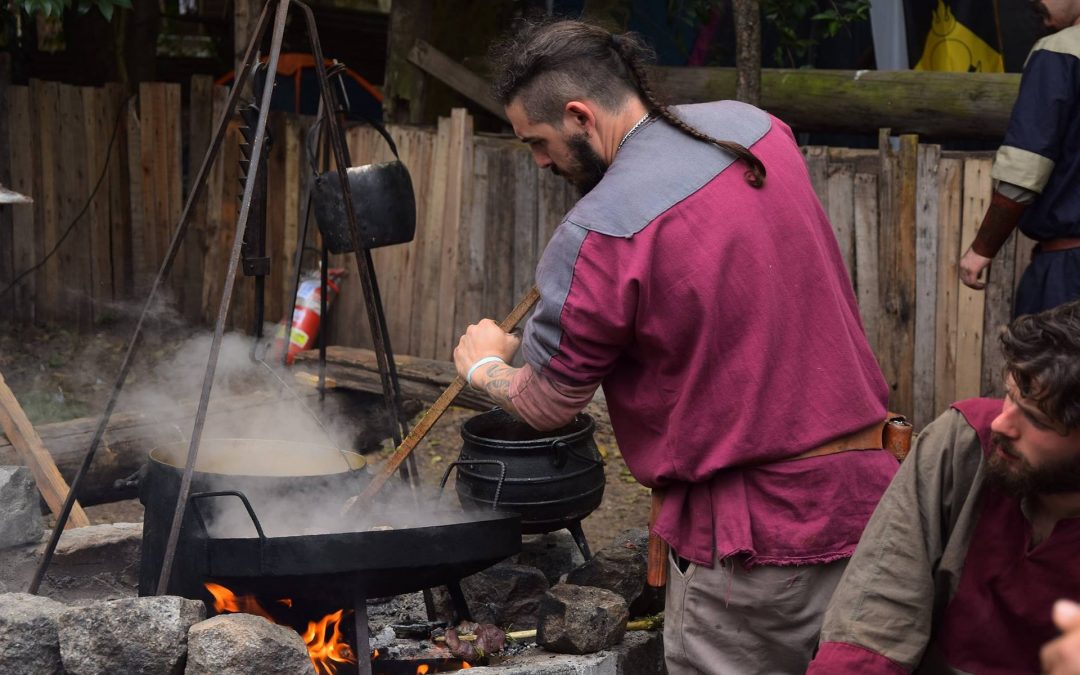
(748, 51)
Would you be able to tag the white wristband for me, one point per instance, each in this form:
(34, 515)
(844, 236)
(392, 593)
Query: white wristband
(486, 359)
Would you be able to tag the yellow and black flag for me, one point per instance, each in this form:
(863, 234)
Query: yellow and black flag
(954, 35)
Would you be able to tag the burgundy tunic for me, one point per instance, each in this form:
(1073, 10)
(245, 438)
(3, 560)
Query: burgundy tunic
(994, 619)
(722, 324)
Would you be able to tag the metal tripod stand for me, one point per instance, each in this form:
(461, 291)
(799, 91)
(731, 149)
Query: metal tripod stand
(380, 337)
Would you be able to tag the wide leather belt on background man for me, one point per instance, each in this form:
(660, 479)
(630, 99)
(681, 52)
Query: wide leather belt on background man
(868, 437)
(1061, 244)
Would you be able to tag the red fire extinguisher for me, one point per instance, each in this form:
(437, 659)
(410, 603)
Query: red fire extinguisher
(306, 316)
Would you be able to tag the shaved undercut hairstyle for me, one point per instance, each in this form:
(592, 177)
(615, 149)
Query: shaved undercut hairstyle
(548, 64)
(1042, 353)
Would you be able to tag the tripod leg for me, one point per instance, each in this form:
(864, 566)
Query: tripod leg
(198, 185)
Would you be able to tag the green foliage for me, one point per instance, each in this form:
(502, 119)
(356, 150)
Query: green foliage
(802, 24)
(51, 8)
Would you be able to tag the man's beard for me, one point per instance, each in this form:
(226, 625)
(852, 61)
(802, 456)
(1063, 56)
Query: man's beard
(588, 166)
(1021, 479)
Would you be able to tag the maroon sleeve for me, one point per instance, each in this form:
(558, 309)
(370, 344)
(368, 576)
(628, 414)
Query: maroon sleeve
(842, 658)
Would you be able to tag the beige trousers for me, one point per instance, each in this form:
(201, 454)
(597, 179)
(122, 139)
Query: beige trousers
(726, 620)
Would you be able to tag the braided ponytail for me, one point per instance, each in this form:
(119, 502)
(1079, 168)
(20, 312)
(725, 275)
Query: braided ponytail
(629, 52)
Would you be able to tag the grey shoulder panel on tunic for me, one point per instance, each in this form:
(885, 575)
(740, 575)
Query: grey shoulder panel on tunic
(660, 166)
(657, 168)
(554, 273)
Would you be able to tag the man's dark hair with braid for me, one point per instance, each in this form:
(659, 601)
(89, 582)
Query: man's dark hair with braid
(547, 64)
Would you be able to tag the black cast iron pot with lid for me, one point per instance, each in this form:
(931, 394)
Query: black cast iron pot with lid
(552, 478)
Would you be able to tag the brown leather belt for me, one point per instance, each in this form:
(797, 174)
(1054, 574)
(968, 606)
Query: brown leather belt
(863, 439)
(1062, 244)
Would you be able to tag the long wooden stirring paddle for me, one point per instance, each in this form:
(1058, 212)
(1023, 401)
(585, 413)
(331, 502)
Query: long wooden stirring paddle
(365, 498)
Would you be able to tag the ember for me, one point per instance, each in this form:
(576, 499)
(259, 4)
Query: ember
(326, 645)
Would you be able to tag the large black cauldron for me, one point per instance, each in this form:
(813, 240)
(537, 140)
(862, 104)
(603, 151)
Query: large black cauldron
(552, 478)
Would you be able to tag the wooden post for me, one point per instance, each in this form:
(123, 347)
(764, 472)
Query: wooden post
(950, 205)
(896, 334)
(21, 434)
(971, 303)
(926, 283)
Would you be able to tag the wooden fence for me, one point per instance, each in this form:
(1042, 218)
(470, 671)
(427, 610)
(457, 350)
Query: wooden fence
(902, 215)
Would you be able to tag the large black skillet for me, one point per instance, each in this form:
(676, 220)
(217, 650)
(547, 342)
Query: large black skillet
(407, 551)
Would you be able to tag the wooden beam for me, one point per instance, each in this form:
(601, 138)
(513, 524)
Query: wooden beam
(969, 105)
(51, 485)
(456, 76)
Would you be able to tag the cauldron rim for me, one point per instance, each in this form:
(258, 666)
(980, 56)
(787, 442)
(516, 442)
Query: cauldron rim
(583, 420)
(160, 456)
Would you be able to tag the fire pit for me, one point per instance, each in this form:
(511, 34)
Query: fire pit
(303, 549)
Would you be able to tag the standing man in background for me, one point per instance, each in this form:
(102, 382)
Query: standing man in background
(712, 304)
(1037, 170)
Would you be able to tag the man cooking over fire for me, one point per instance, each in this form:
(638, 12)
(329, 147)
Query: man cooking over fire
(1037, 170)
(977, 536)
(712, 304)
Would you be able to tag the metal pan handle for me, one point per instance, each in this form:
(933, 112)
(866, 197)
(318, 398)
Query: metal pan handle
(498, 487)
(227, 493)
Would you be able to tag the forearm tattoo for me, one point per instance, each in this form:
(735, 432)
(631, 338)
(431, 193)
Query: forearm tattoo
(497, 384)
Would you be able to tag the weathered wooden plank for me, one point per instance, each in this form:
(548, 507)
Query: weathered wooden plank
(49, 300)
(7, 229)
(53, 488)
(1000, 289)
(840, 186)
(896, 334)
(96, 131)
(526, 249)
(499, 220)
(866, 254)
(817, 164)
(971, 304)
(950, 216)
(472, 245)
(277, 188)
(119, 193)
(414, 147)
(23, 170)
(74, 191)
(200, 127)
(294, 164)
(459, 170)
(142, 266)
(426, 297)
(926, 249)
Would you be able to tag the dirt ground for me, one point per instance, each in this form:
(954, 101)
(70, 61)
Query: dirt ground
(59, 375)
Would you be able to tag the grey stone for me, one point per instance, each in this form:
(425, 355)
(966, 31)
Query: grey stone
(554, 553)
(136, 636)
(580, 619)
(20, 511)
(29, 644)
(620, 568)
(506, 595)
(639, 653)
(239, 644)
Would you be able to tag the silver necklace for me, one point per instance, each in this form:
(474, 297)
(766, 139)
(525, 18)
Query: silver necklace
(633, 129)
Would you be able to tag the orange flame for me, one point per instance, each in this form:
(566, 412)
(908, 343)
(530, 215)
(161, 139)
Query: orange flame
(226, 601)
(422, 669)
(324, 651)
(465, 664)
